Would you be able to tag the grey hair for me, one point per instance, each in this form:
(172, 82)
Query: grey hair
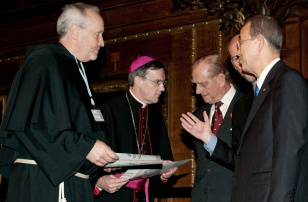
(74, 14)
(215, 63)
(269, 28)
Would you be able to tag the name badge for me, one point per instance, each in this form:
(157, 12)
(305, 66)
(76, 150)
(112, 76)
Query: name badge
(98, 117)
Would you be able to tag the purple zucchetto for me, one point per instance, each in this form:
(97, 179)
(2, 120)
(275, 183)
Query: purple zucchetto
(138, 62)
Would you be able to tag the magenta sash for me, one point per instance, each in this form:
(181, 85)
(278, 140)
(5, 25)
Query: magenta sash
(140, 184)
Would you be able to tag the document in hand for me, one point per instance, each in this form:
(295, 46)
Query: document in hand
(126, 160)
(146, 173)
(129, 160)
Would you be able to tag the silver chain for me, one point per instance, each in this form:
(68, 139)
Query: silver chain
(145, 133)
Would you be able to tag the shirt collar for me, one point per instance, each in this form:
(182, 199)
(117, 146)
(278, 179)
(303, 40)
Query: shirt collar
(264, 73)
(143, 104)
(227, 98)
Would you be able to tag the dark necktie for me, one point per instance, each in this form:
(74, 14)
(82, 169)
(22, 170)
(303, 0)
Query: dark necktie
(217, 118)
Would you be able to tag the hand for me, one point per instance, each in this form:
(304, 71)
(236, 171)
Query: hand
(101, 154)
(111, 183)
(198, 129)
(109, 170)
(168, 174)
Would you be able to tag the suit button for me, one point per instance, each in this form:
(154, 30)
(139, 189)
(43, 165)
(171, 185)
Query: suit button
(209, 170)
(204, 190)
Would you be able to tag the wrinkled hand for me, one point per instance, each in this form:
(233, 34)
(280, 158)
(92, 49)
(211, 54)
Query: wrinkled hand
(168, 174)
(101, 154)
(111, 183)
(198, 129)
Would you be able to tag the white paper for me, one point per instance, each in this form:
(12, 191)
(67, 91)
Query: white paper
(126, 160)
(146, 173)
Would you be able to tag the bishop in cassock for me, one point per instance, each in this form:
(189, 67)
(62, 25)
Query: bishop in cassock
(136, 127)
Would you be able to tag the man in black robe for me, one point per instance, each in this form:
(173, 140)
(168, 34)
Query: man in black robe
(135, 127)
(50, 136)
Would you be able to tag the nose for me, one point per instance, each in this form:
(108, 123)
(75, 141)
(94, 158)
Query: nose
(162, 87)
(198, 89)
(101, 42)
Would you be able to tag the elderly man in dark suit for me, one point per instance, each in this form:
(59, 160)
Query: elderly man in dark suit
(213, 181)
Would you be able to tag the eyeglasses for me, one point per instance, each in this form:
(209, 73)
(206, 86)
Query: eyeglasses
(240, 42)
(235, 59)
(157, 82)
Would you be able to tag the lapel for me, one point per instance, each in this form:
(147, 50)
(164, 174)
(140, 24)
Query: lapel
(226, 123)
(264, 90)
(249, 98)
(208, 110)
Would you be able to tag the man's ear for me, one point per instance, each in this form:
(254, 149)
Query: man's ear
(74, 32)
(138, 81)
(261, 42)
(221, 78)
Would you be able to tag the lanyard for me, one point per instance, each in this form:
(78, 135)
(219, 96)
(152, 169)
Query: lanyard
(84, 76)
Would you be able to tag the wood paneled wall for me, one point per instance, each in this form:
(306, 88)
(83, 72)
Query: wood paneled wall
(145, 27)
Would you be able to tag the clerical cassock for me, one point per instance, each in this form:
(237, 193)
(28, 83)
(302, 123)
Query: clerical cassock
(135, 128)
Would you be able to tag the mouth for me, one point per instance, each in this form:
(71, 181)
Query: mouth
(248, 74)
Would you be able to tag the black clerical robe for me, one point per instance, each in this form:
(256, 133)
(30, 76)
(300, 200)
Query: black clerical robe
(48, 119)
(120, 128)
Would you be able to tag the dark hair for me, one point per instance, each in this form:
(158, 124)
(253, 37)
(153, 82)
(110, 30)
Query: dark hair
(215, 63)
(269, 28)
(142, 71)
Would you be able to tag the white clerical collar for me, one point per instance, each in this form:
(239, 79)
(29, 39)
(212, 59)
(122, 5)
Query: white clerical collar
(264, 73)
(143, 104)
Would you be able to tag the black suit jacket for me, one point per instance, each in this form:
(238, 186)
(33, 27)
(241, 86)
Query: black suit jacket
(273, 158)
(213, 181)
(223, 154)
